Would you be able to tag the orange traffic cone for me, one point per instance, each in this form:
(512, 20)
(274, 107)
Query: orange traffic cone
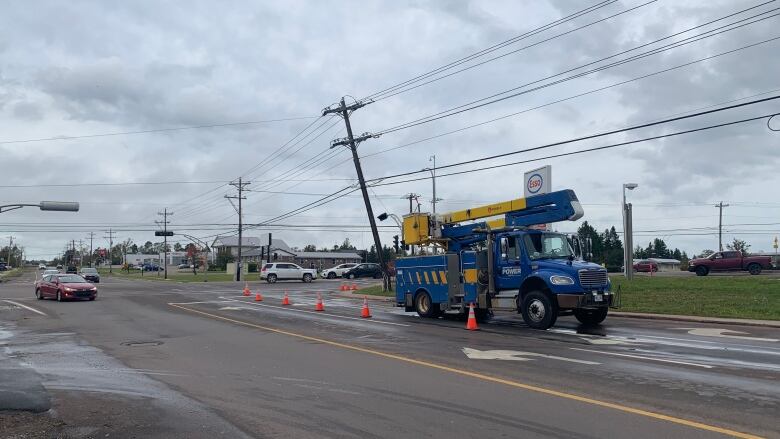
(286, 299)
(258, 297)
(366, 313)
(471, 324)
(354, 286)
(246, 289)
(319, 306)
(343, 287)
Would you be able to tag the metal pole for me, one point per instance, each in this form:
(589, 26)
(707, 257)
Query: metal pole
(240, 229)
(630, 239)
(434, 183)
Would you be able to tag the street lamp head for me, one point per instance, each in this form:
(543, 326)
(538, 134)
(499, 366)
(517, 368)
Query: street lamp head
(382, 216)
(630, 186)
(61, 206)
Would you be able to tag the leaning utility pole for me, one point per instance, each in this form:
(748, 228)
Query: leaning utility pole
(91, 236)
(240, 186)
(352, 142)
(411, 197)
(10, 249)
(165, 214)
(720, 206)
(110, 238)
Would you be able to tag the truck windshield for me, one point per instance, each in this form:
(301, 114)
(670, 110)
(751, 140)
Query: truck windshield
(547, 246)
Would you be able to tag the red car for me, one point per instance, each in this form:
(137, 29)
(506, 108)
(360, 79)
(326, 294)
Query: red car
(63, 287)
(645, 266)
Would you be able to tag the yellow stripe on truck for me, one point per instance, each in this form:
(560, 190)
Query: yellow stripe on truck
(435, 279)
(470, 275)
(443, 277)
(425, 273)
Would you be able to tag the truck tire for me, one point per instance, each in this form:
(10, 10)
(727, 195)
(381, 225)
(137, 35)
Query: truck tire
(754, 268)
(482, 315)
(702, 270)
(425, 307)
(539, 311)
(591, 316)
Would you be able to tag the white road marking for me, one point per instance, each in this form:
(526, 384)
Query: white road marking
(193, 303)
(232, 308)
(724, 333)
(476, 354)
(320, 313)
(641, 357)
(26, 307)
(594, 339)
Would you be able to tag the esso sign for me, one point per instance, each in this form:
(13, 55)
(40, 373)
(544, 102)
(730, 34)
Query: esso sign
(534, 183)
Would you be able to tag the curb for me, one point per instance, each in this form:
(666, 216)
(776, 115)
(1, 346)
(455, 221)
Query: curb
(698, 319)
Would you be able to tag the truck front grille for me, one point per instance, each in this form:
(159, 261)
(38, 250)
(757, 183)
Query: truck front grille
(593, 278)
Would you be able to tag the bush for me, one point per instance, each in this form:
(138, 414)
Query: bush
(252, 267)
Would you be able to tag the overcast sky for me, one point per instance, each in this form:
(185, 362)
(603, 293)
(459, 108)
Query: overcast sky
(81, 68)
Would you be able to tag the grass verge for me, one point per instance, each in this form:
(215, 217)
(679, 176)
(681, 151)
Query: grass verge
(375, 290)
(174, 276)
(744, 297)
(10, 274)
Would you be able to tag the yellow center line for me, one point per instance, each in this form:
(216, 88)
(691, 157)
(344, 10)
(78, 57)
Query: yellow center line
(483, 377)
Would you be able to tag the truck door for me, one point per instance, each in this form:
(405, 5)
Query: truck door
(509, 271)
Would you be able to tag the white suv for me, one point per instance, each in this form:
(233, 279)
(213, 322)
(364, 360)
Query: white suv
(285, 270)
(337, 271)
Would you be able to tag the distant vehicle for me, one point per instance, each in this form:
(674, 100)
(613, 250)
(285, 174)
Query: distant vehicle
(71, 269)
(364, 270)
(645, 266)
(152, 267)
(284, 270)
(59, 266)
(49, 271)
(181, 266)
(41, 266)
(729, 261)
(90, 274)
(337, 271)
(3, 266)
(64, 287)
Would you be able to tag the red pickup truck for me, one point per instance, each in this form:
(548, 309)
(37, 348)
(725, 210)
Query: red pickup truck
(729, 261)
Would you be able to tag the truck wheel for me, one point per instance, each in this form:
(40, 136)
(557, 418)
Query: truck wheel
(754, 269)
(482, 315)
(271, 279)
(425, 306)
(307, 278)
(591, 316)
(702, 271)
(539, 311)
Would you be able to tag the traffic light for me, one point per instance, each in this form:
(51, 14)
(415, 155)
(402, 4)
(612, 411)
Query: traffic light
(395, 244)
(161, 233)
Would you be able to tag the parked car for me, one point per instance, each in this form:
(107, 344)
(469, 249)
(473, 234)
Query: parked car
(364, 270)
(41, 266)
(645, 266)
(337, 271)
(729, 261)
(272, 272)
(3, 266)
(59, 266)
(90, 274)
(64, 287)
(152, 267)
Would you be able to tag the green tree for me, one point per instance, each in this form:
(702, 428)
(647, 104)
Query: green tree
(739, 245)
(177, 247)
(660, 250)
(310, 248)
(613, 249)
(706, 253)
(346, 245)
(586, 232)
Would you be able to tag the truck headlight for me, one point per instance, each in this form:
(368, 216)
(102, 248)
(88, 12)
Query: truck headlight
(561, 280)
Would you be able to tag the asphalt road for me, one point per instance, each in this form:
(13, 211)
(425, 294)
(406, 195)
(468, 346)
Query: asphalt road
(163, 359)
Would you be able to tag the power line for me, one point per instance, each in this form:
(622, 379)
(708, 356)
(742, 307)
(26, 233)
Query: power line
(592, 136)
(490, 49)
(499, 97)
(158, 130)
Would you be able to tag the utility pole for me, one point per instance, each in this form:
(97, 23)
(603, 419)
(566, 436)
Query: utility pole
(240, 186)
(411, 197)
(10, 249)
(91, 237)
(165, 214)
(344, 110)
(720, 207)
(110, 238)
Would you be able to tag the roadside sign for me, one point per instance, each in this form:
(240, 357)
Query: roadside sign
(537, 181)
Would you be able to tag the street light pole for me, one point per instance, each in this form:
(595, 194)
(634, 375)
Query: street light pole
(628, 234)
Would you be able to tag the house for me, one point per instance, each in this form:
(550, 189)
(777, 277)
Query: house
(137, 259)
(252, 251)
